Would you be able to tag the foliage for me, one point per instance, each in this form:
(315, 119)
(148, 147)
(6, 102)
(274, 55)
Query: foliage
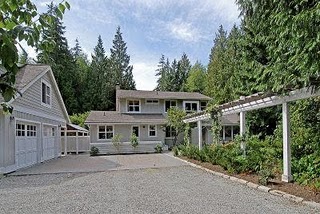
(173, 76)
(158, 148)
(186, 134)
(116, 141)
(94, 151)
(196, 81)
(175, 121)
(215, 114)
(134, 141)
(20, 21)
(264, 176)
(79, 119)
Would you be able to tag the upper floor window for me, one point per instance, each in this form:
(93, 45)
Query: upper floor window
(152, 101)
(190, 106)
(133, 105)
(169, 104)
(203, 105)
(45, 93)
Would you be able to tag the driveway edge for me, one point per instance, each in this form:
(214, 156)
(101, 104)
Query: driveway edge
(251, 185)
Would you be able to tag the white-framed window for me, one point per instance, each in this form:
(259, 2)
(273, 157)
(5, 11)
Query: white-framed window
(170, 132)
(133, 105)
(168, 104)
(20, 130)
(152, 131)
(203, 105)
(48, 131)
(31, 131)
(190, 106)
(105, 132)
(152, 101)
(45, 93)
(135, 130)
(26, 130)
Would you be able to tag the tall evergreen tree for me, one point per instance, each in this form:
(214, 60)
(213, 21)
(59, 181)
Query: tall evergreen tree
(196, 81)
(120, 61)
(182, 73)
(61, 61)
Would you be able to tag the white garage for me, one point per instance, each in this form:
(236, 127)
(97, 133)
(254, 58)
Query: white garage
(32, 133)
(26, 140)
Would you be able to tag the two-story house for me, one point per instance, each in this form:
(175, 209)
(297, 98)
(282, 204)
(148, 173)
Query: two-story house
(142, 113)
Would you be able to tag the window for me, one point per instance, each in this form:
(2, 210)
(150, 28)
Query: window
(135, 130)
(169, 104)
(152, 102)
(48, 131)
(170, 132)
(20, 130)
(23, 130)
(203, 105)
(31, 131)
(46, 93)
(152, 131)
(105, 132)
(190, 107)
(133, 105)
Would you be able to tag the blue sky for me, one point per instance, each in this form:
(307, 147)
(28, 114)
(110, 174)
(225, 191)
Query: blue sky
(150, 28)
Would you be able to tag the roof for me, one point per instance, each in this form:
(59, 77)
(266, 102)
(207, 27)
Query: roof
(115, 117)
(28, 75)
(76, 127)
(161, 95)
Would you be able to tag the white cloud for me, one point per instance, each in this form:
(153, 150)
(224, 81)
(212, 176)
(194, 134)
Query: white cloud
(144, 75)
(183, 31)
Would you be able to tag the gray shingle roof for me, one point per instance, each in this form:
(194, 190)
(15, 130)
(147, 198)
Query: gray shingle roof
(161, 95)
(26, 74)
(116, 117)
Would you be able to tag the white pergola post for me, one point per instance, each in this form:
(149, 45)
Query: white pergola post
(77, 142)
(242, 128)
(242, 123)
(223, 133)
(65, 141)
(286, 176)
(232, 133)
(200, 134)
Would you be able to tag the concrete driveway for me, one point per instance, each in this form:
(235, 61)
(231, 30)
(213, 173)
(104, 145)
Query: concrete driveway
(155, 183)
(85, 163)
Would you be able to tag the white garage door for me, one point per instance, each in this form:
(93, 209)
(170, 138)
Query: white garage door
(26, 144)
(49, 136)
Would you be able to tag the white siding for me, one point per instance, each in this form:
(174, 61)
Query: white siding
(31, 99)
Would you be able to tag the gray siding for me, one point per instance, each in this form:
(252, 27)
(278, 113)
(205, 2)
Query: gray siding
(31, 99)
(125, 132)
(7, 141)
(149, 108)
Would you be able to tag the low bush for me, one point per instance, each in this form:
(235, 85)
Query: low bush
(158, 148)
(134, 141)
(94, 151)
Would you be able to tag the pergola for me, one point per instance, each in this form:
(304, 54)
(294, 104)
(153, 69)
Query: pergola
(259, 101)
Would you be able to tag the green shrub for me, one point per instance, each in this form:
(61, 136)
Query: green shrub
(265, 175)
(134, 141)
(94, 151)
(158, 148)
(116, 141)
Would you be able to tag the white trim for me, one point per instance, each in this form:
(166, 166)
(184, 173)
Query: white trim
(138, 130)
(50, 95)
(114, 123)
(105, 125)
(192, 102)
(170, 104)
(37, 113)
(133, 100)
(156, 130)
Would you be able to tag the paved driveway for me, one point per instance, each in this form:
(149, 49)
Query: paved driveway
(134, 184)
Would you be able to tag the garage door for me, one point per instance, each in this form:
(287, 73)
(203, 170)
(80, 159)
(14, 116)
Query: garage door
(26, 144)
(49, 136)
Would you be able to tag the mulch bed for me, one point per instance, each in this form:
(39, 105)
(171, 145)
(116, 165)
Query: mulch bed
(305, 192)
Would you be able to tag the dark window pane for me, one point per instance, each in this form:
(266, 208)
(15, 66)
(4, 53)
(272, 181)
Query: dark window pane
(102, 136)
(109, 135)
(44, 93)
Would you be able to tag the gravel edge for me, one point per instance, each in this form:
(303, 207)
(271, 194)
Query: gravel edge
(262, 188)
